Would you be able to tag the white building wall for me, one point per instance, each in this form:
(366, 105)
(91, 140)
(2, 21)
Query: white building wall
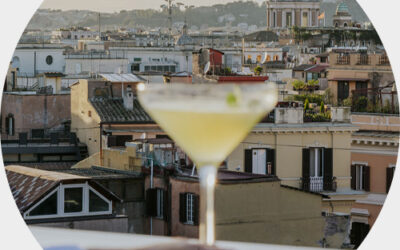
(95, 66)
(27, 61)
(182, 58)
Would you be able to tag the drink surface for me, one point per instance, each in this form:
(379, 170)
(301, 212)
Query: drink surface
(208, 128)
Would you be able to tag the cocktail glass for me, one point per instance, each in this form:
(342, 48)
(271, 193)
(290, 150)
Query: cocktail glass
(207, 121)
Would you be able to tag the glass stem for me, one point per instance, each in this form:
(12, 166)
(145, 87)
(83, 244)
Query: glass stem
(208, 175)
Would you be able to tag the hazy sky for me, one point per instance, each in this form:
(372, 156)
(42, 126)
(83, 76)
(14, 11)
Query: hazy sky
(117, 5)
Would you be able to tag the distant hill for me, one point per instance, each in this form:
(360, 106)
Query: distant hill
(219, 15)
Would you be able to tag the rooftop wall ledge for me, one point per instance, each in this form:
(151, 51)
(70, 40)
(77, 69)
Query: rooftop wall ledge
(341, 114)
(289, 115)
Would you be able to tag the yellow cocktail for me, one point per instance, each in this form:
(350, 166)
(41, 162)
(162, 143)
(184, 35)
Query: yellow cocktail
(207, 121)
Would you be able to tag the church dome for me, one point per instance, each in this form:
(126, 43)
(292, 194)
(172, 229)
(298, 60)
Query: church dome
(185, 40)
(342, 8)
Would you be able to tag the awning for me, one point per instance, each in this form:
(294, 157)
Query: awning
(131, 78)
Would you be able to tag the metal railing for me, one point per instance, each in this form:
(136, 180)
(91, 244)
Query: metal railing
(316, 184)
(343, 60)
(364, 59)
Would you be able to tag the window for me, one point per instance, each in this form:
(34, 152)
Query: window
(135, 67)
(304, 22)
(73, 200)
(318, 169)
(260, 161)
(189, 208)
(360, 177)
(96, 203)
(156, 202)
(47, 206)
(160, 203)
(70, 200)
(389, 177)
(49, 60)
(10, 125)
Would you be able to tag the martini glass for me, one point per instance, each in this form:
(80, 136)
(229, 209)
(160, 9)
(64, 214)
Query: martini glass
(207, 121)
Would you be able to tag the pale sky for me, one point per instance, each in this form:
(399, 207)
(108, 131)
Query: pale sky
(117, 5)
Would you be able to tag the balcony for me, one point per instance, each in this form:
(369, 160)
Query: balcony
(343, 60)
(363, 59)
(384, 60)
(317, 184)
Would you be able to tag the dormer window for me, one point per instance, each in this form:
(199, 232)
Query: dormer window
(70, 200)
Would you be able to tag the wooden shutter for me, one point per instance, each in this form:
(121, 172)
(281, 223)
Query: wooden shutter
(366, 178)
(151, 202)
(271, 158)
(182, 207)
(328, 169)
(248, 160)
(7, 124)
(353, 177)
(306, 168)
(196, 207)
(389, 178)
(111, 141)
(13, 125)
(165, 205)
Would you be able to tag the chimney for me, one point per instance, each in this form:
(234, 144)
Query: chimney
(128, 98)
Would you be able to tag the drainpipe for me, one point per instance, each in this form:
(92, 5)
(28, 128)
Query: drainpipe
(151, 187)
(101, 145)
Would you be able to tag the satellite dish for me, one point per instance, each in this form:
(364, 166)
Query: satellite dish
(207, 68)
(264, 59)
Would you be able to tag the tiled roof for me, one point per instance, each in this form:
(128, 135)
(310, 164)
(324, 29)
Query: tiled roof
(28, 185)
(112, 110)
(317, 68)
(262, 36)
(47, 165)
(303, 67)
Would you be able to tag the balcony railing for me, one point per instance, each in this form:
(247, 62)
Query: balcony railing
(343, 60)
(318, 184)
(384, 60)
(364, 59)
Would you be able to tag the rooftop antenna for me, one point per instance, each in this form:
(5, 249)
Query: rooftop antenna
(169, 8)
(99, 28)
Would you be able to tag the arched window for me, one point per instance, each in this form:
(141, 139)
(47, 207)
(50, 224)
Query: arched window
(276, 58)
(10, 130)
(268, 58)
(15, 62)
(345, 25)
(336, 24)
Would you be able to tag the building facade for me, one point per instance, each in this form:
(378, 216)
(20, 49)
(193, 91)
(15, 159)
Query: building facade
(282, 14)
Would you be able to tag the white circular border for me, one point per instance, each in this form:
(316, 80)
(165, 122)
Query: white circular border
(15, 15)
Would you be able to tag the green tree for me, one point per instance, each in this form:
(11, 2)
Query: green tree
(306, 104)
(298, 85)
(322, 108)
(258, 70)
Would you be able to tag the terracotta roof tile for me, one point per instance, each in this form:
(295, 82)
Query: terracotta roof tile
(113, 110)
